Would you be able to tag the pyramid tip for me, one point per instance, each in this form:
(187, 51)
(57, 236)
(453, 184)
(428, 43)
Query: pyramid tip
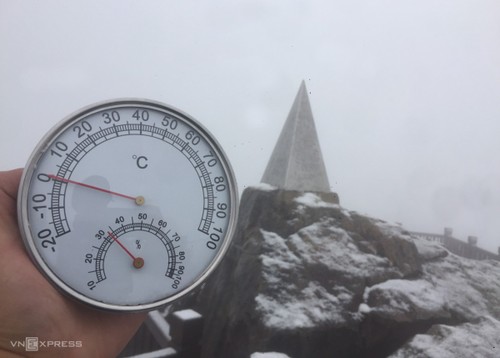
(302, 92)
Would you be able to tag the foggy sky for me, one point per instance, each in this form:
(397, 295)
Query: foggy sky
(405, 94)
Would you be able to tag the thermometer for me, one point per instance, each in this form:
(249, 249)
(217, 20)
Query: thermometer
(127, 205)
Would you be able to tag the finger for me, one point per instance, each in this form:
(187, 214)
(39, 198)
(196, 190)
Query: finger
(9, 182)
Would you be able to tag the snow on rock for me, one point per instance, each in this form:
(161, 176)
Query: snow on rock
(455, 287)
(306, 278)
(429, 250)
(263, 187)
(390, 229)
(314, 201)
(312, 305)
(269, 355)
(481, 339)
(364, 308)
(470, 288)
(323, 244)
(406, 300)
(304, 274)
(187, 315)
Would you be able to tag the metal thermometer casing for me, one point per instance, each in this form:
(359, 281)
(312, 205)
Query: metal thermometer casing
(127, 204)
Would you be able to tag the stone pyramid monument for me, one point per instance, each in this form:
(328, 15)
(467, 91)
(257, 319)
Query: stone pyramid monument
(296, 162)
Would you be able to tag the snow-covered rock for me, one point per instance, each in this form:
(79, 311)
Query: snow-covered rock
(310, 279)
(480, 339)
(269, 355)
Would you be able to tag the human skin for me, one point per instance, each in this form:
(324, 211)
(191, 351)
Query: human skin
(31, 307)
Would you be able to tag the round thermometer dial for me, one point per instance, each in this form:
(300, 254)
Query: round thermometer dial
(127, 204)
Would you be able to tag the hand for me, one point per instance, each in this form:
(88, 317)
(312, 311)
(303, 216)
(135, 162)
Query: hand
(31, 307)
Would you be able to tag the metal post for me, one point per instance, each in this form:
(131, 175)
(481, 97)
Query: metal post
(186, 329)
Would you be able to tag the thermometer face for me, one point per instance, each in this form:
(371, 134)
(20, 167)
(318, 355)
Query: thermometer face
(127, 205)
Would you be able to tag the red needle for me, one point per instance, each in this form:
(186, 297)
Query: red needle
(138, 200)
(138, 262)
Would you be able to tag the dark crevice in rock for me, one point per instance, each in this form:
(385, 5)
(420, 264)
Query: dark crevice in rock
(382, 337)
(318, 343)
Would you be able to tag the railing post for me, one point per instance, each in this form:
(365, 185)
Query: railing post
(186, 329)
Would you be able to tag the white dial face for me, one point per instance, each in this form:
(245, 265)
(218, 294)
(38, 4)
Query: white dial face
(127, 205)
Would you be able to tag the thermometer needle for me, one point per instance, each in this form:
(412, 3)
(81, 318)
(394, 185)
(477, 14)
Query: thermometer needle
(138, 262)
(139, 200)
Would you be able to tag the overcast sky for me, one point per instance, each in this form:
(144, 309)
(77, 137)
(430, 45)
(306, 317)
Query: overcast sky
(405, 94)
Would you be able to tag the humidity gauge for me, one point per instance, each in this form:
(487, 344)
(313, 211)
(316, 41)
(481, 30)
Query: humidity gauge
(127, 205)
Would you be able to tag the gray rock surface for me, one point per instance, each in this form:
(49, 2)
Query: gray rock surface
(308, 278)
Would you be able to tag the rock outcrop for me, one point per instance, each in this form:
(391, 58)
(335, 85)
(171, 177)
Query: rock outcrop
(308, 278)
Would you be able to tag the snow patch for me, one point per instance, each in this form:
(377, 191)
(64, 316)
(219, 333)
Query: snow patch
(187, 314)
(268, 355)
(364, 308)
(282, 257)
(449, 287)
(304, 310)
(323, 244)
(290, 298)
(391, 229)
(429, 250)
(264, 187)
(468, 287)
(399, 298)
(314, 201)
